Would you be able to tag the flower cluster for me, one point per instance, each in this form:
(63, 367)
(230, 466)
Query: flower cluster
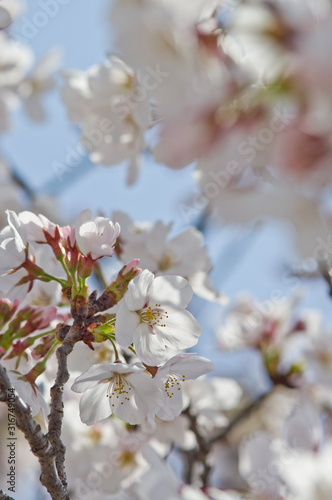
(183, 254)
(152, 321)
(102, 100)
(22, 80)
(147, 316)
(228, 85)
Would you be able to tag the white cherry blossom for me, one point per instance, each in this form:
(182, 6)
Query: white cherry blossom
(127, 391)
(152, 316)
(95, 237)
(170, 377)
(113, 111)
(183, 254)
(13, 241)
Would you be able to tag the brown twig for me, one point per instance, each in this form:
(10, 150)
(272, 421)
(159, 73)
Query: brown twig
(3, 496)
(39, 444)
(204, 445)
(56, 414)
(237, 419)
(201, 453)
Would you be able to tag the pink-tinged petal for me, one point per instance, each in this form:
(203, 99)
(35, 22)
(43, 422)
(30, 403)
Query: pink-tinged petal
(149, 346)
(91, 377)
(181, 330)
(173, 290)
(125, 325)
(138, 290)
(95, 405)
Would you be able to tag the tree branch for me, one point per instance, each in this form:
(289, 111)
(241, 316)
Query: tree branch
(202, 451)
(56, 415)
(39, 444)
(3, 496)
(238, 418)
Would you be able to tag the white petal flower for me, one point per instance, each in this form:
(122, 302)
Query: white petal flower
(13, 241)
(184, 254)
(95, 237)
(152, 315)
(127, 391)
(170, 377)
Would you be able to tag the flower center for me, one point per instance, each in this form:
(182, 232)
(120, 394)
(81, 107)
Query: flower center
(168, 259)
(118, 390)
(173, 383)
(154, 316)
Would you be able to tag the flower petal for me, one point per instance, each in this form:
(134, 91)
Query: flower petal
(125, 325)
(173, 290)
(173, 401)
(190, 365)
(91, 377)
(138, 290)
(181, 330)
(149, 346)
(143, 399)
(95, 405)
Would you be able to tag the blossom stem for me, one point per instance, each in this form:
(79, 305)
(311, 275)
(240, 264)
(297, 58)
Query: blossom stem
(132, 349)
(111, 339)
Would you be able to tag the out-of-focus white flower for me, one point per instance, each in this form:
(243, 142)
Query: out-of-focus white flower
(125, 390)
(170, 377)
(309, 474)
(30, 393)
(113, 110)
(249, 323)
(15, 61)
(39, 81)
(152, 315)
(95, 237)
(161, 41)
(318, 351)
(9, 10)
(210, 400)
(176, 432)
(303, 429)
(258, 465)
(102, 447)
(183, 254)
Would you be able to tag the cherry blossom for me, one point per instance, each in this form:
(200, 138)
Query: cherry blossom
(152, 316)
(13, 244)
(183, 254)
(113, 120)
(170, 377)
(95, 237)
(125, 390)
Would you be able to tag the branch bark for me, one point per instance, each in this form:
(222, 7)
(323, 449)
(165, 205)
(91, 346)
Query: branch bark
(56, 414)
(238, 418)
(201, 452)
(39, 444)
(3, 496)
